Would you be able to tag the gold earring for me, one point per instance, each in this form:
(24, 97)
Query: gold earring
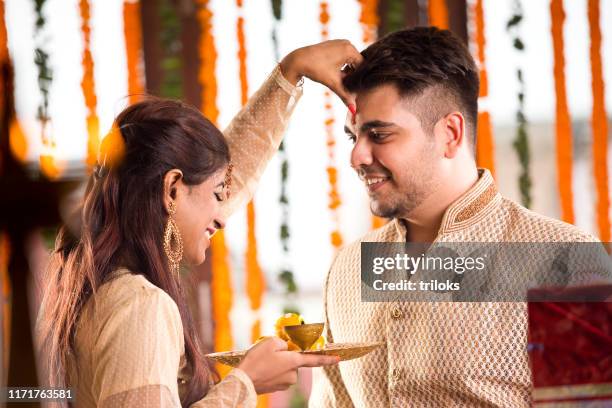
(173, 243)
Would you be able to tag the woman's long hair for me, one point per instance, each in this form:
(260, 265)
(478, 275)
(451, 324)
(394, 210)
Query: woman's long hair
(122, 224)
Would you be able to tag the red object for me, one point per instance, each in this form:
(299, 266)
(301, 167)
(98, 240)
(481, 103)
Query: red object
(352, 108)
(570, 345)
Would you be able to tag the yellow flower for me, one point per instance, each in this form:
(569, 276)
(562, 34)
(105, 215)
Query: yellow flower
(319, 344)
(288, 319)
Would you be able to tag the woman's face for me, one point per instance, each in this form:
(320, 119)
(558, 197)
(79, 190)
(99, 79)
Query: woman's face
(198, 215)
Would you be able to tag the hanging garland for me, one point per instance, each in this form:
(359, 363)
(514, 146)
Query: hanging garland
(563, 125)
(255, 281)
(286, 276)
(485, 150)
(5, 296)
(18, 145)
(438, 13)
(88, 87)
(132, 32)
(4, 56)
(5, 283)
(48, 164)
(171, 63)
(395, 15)
(369, 20)
(332, 172)
(221, 282)
(369, 25)
(599, 124)
(521, 144)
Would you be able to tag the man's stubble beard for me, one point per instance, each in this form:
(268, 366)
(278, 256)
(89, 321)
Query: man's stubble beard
(416, 188)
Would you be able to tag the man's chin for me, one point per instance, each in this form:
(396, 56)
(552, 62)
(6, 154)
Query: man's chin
(381, 210)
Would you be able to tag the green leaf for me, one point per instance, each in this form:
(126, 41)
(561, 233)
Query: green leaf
(514, 20)
(518, 44)
(277, 8)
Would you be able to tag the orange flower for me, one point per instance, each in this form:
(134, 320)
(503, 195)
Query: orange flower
(132, 32)
(599, 125)
(563, 123)
(369, 19)
(112, 149)
(438, 13)
(332, 173)
(485, 146)
(88, 86)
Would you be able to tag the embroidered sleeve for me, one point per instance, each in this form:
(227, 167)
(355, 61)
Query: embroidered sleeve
(255, 134)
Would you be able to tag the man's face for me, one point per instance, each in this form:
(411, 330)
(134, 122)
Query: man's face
(395, 158)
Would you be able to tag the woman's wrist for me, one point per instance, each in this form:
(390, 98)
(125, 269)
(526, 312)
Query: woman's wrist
(290, 67)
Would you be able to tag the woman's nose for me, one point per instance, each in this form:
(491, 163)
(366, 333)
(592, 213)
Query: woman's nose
(219, 223)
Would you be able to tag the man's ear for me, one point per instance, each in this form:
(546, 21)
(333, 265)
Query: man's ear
(172, 179)
(453, 128)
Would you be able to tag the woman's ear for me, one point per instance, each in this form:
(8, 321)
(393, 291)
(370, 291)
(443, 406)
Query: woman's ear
(172, 180)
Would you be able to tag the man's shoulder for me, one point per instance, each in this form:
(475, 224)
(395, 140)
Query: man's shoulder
(529, 226)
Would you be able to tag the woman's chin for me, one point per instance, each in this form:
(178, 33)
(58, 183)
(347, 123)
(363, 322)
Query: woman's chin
(195, 259)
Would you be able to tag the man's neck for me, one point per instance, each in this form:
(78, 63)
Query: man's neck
(423, 223)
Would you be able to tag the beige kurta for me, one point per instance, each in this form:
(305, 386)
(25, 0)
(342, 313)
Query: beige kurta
(129, 342)
(441, 354)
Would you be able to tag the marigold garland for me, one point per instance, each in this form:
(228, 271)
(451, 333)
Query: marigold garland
(4, 57)
(285, 276)
(485, 147)
(254, 275)
(88, 86)
(599, 124)
(369, 24)
(563, 124)
(221, 281)
(132, 32)
(369, 20)
(5, 296)
(438, 13)
(255, 280)
(222, 296)
(18, 144)
(49, 165)
(332, 173)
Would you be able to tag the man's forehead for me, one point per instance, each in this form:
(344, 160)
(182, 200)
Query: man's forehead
(380, 109)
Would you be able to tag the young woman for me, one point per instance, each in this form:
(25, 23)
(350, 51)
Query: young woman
(114, 324)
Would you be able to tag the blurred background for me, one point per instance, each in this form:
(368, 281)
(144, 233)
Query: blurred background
(70, 66)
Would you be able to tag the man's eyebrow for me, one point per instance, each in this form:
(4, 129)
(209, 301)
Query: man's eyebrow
(348, 131)
(375, 124)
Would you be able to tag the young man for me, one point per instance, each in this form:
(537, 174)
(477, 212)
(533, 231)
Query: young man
(414, 136)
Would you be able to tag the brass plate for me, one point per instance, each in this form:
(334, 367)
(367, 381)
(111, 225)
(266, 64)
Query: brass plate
(346, 351)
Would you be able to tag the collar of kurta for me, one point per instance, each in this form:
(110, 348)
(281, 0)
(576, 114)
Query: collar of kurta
(468, 209)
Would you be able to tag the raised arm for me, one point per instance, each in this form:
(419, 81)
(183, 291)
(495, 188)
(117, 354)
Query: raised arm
(255, 134)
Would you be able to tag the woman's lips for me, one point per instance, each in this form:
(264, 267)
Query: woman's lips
(210, 232)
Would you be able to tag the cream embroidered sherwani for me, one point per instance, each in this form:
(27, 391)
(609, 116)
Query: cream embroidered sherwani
(436, 354)
(129, 342)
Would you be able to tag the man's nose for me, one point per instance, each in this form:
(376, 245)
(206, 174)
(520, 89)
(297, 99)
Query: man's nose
(361, 156)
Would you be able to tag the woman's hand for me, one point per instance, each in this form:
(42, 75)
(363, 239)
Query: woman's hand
(322, 63)
(272, 368)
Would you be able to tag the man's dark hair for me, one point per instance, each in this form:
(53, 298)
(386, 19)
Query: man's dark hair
(419, 60)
